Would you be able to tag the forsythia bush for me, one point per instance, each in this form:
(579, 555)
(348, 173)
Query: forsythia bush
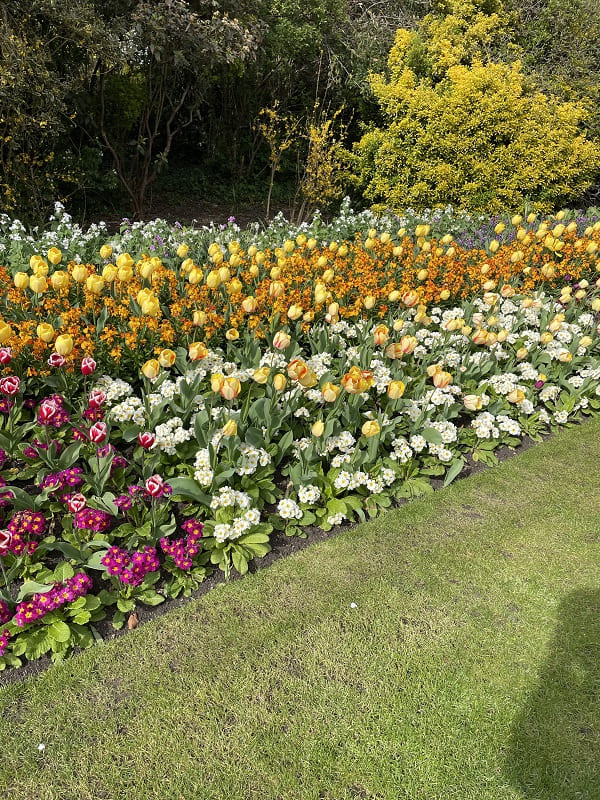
(468, 132)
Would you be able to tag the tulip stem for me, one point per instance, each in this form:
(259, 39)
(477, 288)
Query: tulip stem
(4, 576)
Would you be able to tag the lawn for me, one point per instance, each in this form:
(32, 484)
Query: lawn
(448, 649)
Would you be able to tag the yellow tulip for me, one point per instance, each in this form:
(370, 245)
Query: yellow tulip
(281, 340)
(370, 428)
(294, 312)
(261, 375)
(232, 334)
(151, 368)
(5, 332)
(279, 382)
(196, 276)
(45, 332)
(94, 284)
(60, 280)
(109, 273)
(38, 284)
(54, 256)
(166, 358)
(125, 261)
(318, 428)
(197, 351)
(182, 251)
(80, 273)
(330, 392)
(230, 388)
(395, 389)
(473, 402)
(230, 428)
(106, 251)
(64, 344)
(199, 319)
(21, 280)
(444, 294)
(249, 304)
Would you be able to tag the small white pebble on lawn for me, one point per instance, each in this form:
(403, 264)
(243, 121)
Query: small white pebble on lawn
(353, 605)
(41, 747)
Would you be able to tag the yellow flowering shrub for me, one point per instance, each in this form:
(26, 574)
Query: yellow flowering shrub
(471, 133)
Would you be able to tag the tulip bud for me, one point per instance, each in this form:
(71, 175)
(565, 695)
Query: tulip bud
(395, 389)
(76, 502)
(106, 251)
(444, 294)
(279, 382)
(151, 369)
(88, 366)
(98, 432)
(370, 428)
(64, 344)
(199, 319)
(294, 312)
(182, 251)
(38, 284)
(166, 358)
(472, 402)
(281, 340)
(146, 440)
(109, 273)
(21, 280)
(125, 261)
(45, 332)
(230, 428)
(56, 360)
(197, 351)
(318, 428)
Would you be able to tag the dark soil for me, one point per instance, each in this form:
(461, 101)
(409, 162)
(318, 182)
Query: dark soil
(282, 546)
(199, 213)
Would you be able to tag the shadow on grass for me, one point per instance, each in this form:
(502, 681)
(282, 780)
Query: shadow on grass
(554, 751)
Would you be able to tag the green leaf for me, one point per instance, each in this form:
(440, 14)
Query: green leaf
(431, 435)
(95, 560)
(63, 571)
(151, 598)
(82, 618)
(125, 605)
(189, 490)
(239, 562)
(31, 587)
(456, 467)
(59, 631)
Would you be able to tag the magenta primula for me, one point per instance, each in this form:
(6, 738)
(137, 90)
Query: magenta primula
(40, 604)
(131, 568)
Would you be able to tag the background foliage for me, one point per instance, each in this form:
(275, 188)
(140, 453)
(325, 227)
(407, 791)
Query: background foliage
(101, 101)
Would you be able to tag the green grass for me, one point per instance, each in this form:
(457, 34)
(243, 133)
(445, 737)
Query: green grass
(470, 667)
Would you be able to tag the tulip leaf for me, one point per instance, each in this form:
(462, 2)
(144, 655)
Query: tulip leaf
(189, 490)
(456, 467)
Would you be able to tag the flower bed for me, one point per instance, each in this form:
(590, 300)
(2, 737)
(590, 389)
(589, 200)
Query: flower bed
(162, 416)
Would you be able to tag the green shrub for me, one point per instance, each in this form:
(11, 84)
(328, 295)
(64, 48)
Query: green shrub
(467, 131)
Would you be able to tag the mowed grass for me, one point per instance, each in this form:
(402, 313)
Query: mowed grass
(469, 668)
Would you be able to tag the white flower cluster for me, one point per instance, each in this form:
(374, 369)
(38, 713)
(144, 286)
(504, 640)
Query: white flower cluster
(485, 427)
(353, 480)
(171, 433)
(251, 457)
(402, 451)
(130, 410)
(309, 494)
(229, 497)
(114, 388)
(203, 472)
(237, 527)
(289, 509)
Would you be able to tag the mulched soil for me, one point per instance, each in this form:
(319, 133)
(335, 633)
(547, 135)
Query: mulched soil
(282, 546)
